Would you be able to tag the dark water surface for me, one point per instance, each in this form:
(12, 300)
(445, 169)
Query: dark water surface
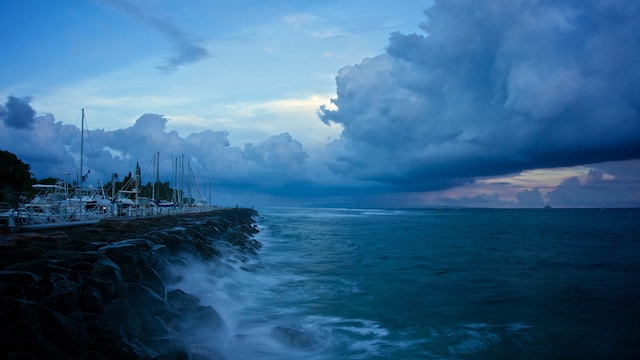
(432, 284)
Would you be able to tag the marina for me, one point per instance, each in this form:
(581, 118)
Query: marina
(66, 204)
(62, 205)
(53, 209)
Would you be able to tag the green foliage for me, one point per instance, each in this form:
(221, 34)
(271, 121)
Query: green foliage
(15, 176)
(48, 181)
(163, 191)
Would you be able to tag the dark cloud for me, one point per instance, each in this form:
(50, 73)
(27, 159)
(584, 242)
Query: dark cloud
(17, 113)
(186, 48)
(493, 88)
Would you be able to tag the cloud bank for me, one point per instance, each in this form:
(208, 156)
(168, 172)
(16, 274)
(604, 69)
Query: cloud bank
(492, 88)
(277, 170)
(53, 150)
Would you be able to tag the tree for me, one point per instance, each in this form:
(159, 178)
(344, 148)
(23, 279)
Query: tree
(15, 176)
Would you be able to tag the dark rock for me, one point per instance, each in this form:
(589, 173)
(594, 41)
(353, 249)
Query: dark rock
(143, 299)
(25, 254)
(150, 278)
(22, 342)
(93, 355)
(75, 260)
(105, 287)
(151, 310)
(87, 294)
(64, 297)
(92, 299)
(174, 355)
(122, 318)
(19, 278)
(12, 290)
(108, 270)
(201, 319)
(124, 255)
(44, 268)
(294, 337)
(59, 330)
(180, 302)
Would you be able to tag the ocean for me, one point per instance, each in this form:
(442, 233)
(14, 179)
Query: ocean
(429, 284)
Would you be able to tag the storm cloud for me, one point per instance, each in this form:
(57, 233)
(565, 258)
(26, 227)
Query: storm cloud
(491, 88)
(17, 113)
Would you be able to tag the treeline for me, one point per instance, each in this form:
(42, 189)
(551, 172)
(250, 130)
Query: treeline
(16, 179)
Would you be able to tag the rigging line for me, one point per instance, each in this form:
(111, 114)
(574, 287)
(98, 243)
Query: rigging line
(89, 136)
(147, 171)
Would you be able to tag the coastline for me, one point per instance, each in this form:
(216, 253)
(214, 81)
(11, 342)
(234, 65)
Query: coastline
(99, 291)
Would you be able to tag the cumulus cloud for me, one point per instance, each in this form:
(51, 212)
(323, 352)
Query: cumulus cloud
(492, 88)
(17, 113)
(618, 188)
(44, 147)
(530, 198)
(53, 150)
(186, 48)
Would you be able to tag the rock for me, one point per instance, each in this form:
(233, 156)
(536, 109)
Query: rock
(64, 297)
(19, 277)
(57, 329)
(85, 293)
(107, 270)
(174, 355)
(180, 302)
(201, 319)
(22, 342)
(122, 318)
(125, 256)
(105, 287)
(75, 260)
(26, 254)
(45, 268)
(92, 299)
(150, 278)
(294, 337)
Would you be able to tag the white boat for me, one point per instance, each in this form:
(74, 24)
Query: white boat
(53, 206)
(60, 205)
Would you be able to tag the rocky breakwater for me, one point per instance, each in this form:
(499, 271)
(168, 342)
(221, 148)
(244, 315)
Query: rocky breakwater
(100, 292)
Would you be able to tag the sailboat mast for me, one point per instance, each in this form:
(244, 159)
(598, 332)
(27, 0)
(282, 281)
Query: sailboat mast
(182, 179)
(81, 148)
(157, 176)
(153, 186)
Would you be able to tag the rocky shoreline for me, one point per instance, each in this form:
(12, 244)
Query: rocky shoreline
(99, 292)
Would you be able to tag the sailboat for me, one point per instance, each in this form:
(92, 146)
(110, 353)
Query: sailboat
(93, 199)
(59, 205)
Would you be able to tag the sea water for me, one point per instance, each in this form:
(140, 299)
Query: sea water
(430, 284)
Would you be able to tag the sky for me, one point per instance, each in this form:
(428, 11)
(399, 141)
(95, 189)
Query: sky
(350, 103)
